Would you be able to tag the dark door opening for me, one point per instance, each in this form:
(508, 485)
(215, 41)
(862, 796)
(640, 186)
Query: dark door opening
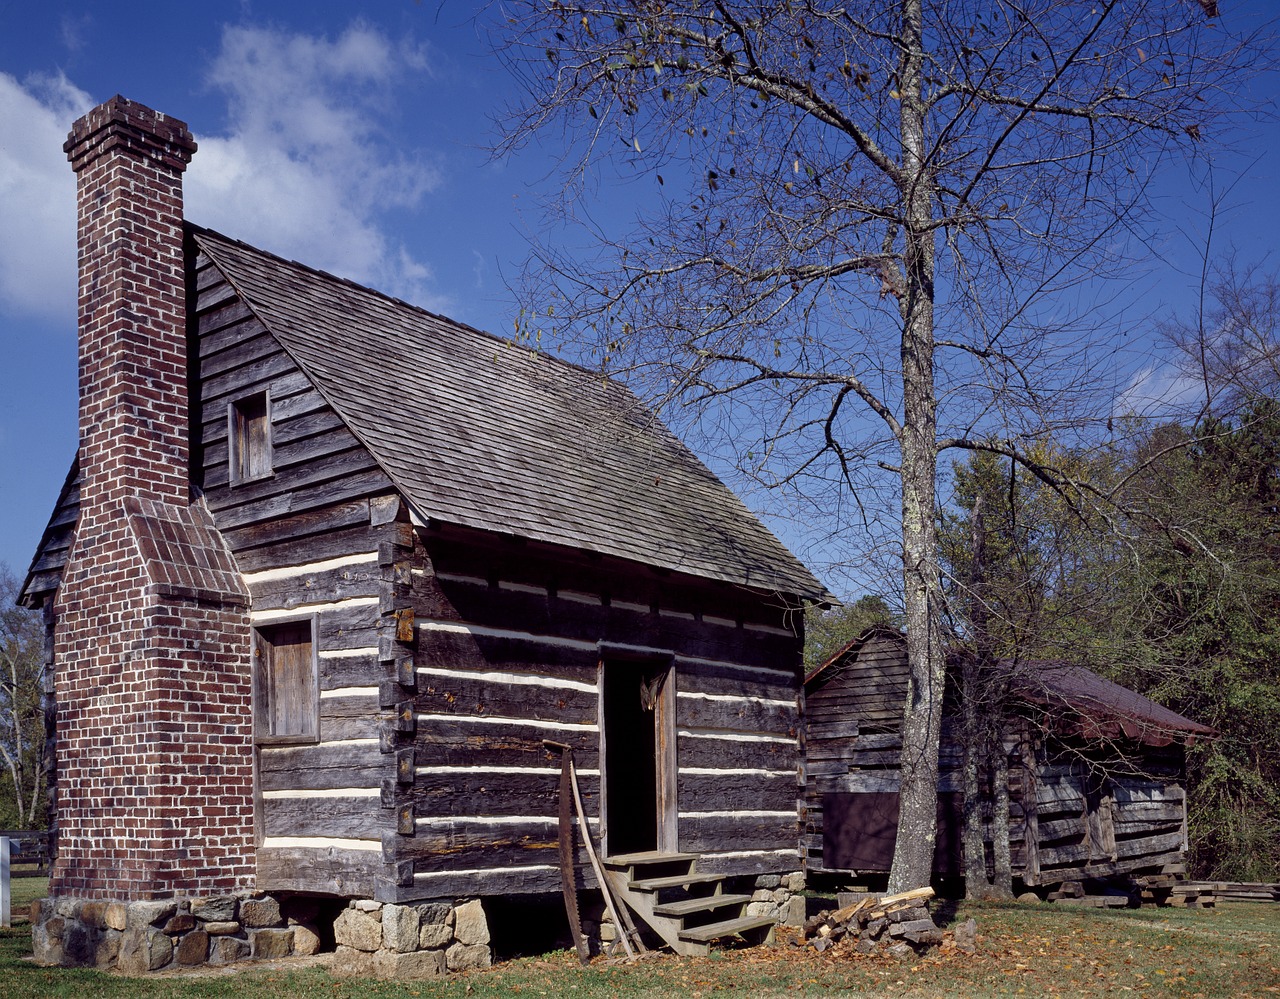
(635, 713)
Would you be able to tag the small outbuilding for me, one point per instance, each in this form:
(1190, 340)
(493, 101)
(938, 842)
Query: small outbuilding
(1096, 772)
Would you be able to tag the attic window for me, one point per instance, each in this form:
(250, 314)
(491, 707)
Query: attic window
(249, 434)
(286, 697)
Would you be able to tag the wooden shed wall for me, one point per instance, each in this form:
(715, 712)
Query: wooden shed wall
(1075, 809)
(308, 541)
(508, 653)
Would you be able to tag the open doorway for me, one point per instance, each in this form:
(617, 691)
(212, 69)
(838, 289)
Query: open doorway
(638, 766)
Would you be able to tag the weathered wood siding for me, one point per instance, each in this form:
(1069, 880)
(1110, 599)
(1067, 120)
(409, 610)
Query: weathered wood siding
(508, 653)
(309, 540)
(1076, 809)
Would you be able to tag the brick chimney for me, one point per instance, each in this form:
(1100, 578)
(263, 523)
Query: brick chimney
(129, 161)
(154, 782)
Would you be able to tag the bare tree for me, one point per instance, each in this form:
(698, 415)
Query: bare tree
(871, 235)
(21, 708)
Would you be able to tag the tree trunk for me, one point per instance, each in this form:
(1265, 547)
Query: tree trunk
(1003, 883)
(973, 717)
(922, 716)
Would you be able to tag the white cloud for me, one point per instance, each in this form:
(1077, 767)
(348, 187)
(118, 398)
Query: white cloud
(37, 195)
(305, 167)
(1160, 391)
(305, 170)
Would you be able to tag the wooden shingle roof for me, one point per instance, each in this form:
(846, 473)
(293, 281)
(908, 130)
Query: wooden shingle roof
(478, 431)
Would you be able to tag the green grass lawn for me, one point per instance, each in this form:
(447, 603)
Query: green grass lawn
(1031, 950)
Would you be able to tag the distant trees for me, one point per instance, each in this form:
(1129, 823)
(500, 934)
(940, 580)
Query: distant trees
(1179, 600)
(827, 632)
(23, 776)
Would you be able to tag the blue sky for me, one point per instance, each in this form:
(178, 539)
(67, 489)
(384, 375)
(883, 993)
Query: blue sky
(351, 136)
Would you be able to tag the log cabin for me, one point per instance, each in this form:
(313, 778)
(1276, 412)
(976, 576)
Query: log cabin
(1096, 772)
(328, 569)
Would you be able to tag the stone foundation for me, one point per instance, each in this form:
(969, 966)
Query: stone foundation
(373, 939)
(138, 937)
(383, 940)
(778, 895)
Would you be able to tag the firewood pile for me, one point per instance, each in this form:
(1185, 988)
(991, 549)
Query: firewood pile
(1165, 890)
(899, 924)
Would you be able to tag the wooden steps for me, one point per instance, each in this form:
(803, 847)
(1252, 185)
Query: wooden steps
(692, 906)
(730, 927)
(687, 909)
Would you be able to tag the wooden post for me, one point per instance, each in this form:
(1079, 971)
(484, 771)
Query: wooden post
(5, 919)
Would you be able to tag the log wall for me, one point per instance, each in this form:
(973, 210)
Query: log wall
(508, 650)
(1076, 809)
(309, 540)
(447, 655)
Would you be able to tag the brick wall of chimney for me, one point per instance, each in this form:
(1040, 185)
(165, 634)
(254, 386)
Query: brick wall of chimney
(154, 712)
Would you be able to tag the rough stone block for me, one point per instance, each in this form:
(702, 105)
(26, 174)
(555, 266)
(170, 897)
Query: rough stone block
(193, 948)
(901, 951)
(46, 948)
(180, 922)
(150, 913)
(270, 942)
(367, 905)
(400, 926)
(351, 963)
(419, 964)
(117, 916)
(260, 912)
(228, 950)
(608, 933)
(966, 934)
(434, 936)
(55, 925)
(306, 941)
(795, 912)
(38, 907)
(357, 930)
(768, 881)
(464, 957)
(93, 914)
(143, 949)
(470, 926)
(1028, 896)
(795, 881)
(436, 912)
(107, 951)
(227, 928)
(67, 907)
(78, 944)
(220, 909)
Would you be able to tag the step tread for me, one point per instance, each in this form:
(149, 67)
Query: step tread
(646, 857)
(687, 906)
(705, 934)
(674, 881)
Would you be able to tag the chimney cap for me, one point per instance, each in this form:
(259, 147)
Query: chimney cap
(133, 127)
